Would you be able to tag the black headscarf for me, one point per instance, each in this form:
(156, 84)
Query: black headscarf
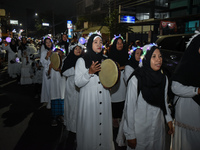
(46, 46)
(64, 43)
(132, 62)
(23, 46)
(90, 55)
(121, 57)
(188, 69)
(13, 46)
(71, 59)
(152, 83)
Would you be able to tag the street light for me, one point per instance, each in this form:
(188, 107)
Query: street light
(36, 14)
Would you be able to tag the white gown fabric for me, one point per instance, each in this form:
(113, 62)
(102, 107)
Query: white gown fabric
(118, 91)
(45, 93)
(143, 121)
(25, 68)
(71, 100)
(14, 69)
(94, 122)
(127, 72)
(187, 118)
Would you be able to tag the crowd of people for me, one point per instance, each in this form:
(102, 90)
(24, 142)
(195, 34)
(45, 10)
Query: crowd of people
(137, 104)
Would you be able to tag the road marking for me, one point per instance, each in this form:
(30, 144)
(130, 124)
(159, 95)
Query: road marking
(7, 83)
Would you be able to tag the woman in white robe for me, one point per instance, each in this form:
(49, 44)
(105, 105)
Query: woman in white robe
(14, 67)
(71, 91)
(57, 90)
(46, 51)
(185, 86)
(94, 122)
(146, 106)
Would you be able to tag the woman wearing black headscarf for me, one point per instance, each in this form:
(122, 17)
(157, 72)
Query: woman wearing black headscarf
(133, 63)
(64, 44)
(119, 54)
(46, 51)
(145, 112)
(14, 68)
(185, 85)
(94, 122)
(71, 90)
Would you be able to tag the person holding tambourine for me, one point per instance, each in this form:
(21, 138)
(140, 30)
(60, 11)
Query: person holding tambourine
(94, 122)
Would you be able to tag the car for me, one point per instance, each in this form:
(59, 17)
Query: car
(172, 48)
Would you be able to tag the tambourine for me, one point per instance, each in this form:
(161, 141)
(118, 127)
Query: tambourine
(109, 74)
(56, 60)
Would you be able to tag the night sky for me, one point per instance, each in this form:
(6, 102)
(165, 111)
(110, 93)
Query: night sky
(17, 8)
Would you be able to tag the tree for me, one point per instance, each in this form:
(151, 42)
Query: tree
(114, 26)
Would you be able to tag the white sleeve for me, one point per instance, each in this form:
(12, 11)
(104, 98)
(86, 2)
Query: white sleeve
(82, 75)
(69, 72)
(127, 72)
(130, 108)
(167, 116)
(183, 91)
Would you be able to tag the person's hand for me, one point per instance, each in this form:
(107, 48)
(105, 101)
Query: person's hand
(95, 67)
(132, 143)
(48, 54)
(171, 129)
(121, 68)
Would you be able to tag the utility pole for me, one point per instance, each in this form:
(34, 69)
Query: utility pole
(53, 25)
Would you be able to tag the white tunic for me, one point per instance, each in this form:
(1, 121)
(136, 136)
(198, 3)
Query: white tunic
(187, 118)
(45, 93)
(118, 91)
(57, 85)
(94, 122)
(128, 70)
(144, 121)
(71, 100)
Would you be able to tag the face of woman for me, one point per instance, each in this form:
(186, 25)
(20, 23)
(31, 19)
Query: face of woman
(97, 45)
(156, 60)
(119, 45)
(48, 43)
(138, 54)
(64, 37)
(77, 51)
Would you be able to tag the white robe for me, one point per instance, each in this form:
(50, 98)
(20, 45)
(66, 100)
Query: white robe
(144, 121)
(118, 91)
(45, 92)
(187, 118)
(94, 122)
(128, 70)
(57, 85)
(71, 100)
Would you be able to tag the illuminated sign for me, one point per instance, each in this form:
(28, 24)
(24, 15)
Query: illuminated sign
(14, 22)
(70, 29)
(127, 19)
(45, 24)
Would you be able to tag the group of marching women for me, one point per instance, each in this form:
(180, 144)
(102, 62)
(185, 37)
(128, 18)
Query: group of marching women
(137, 104)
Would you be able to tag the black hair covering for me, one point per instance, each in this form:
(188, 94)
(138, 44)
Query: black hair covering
(13, 47)
(46, 46)
(132, 62)
(91, 55)
(188, 69)
(152, 82)
(121, 57)
(65, 43)
(71, 59)
(23, 46)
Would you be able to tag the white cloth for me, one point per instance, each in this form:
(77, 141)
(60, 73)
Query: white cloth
(94, 122)
(187, 118)
(14, 69)
(45, 92)
(128, 70)
(25, 68)
(71, 100)
(118, 91)
(57, 85)
(144, 121)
